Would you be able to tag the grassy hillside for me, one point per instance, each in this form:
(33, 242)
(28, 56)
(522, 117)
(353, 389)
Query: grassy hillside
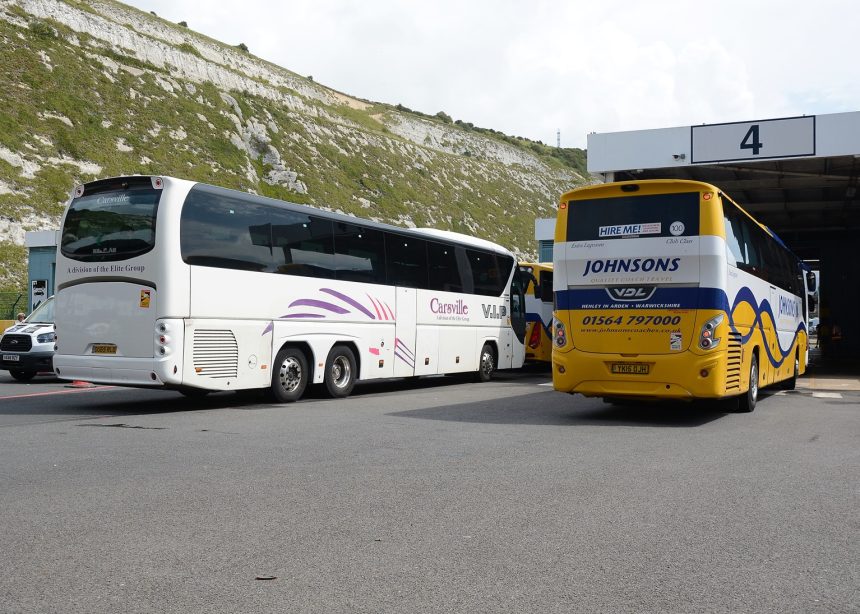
(96, 89)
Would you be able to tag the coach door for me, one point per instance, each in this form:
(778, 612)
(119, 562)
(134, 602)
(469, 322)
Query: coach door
(518, 317)
(404, 332)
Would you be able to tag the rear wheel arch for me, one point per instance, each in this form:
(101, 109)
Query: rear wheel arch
(305, 348)
(356, 354)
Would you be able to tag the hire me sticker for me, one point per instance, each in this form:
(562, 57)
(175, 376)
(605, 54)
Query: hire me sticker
(144, 299)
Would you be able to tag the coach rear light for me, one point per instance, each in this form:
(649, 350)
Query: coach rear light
(162, 338)
(707, 341)
(534, 339)
(560, 334)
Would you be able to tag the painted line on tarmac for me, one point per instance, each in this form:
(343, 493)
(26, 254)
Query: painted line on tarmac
(44, 394)
(826, 395)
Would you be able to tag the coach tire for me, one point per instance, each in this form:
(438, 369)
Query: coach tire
(22, 375)
(747, 401)
(340, 372)
(791, 383)
(289, 375)
(487, 363)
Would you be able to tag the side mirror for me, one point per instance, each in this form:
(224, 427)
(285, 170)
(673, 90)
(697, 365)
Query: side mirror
(810, 281)
(546, 295)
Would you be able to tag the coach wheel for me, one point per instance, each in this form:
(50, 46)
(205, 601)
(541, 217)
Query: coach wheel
(289, 375)
(747, 401)
(791, 383)
(21, 375)
(340, 371)
(487, 365)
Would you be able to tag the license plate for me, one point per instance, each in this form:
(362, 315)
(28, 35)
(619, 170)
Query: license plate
(11, 357)
(630, 368)
(104, 348)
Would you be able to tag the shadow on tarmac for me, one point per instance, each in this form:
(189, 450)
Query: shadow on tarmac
(552, 409)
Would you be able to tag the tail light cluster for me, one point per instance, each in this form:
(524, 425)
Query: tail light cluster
(163, 339)
(707, 340)
(559, 336)
(534, 338)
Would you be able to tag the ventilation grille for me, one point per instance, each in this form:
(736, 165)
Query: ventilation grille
(733, 366)
(16, 343)
(216, 354)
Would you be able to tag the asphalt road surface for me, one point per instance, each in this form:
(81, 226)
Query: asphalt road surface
(435, 495)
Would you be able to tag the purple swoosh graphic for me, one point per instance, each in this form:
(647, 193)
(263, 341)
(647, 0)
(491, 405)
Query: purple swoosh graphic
(269, 328)
(349, 301)
(409, 362)
(309, 302)
(302, 315)
(399, 345)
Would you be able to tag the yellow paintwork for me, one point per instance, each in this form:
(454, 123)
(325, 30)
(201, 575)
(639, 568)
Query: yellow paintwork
(542, 353)
(691, 373)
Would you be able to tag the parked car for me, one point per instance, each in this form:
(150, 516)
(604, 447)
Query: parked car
(27, 347)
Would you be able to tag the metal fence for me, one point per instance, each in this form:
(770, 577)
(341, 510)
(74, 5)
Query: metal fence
(11, 304)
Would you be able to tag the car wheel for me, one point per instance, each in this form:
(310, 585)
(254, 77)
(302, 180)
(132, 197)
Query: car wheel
(340, 371)
(22, 375)
(747, 401)
(487, 364)
(289, 375)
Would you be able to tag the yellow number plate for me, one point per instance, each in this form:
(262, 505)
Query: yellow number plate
(630, 368)
(104, 348)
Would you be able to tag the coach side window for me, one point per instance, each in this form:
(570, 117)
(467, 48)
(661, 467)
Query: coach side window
(406, 260)
(489, 271)
(302, 244)
(222, 231)
(359, 253)
(444, 271)
(732, 219)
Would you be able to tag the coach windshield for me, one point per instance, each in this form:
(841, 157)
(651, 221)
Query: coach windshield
(111, 222)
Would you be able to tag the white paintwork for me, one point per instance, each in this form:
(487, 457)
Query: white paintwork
(836, 134)
(545, 229)
(41, 238)
(778, 138)
(443, 331)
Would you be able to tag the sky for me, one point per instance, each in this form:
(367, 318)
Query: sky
(532, 68)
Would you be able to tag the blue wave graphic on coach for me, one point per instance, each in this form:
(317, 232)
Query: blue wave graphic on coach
(745, 295)
(685, 298)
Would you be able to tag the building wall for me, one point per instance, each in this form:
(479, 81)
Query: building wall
(42, 264)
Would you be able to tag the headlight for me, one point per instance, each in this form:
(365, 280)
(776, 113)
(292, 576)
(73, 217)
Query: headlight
(46, 338)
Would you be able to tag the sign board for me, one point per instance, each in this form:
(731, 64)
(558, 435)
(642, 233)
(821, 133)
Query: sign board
(38, 292)
(791, 137)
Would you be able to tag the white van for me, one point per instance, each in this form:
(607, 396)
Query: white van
(27, 348)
